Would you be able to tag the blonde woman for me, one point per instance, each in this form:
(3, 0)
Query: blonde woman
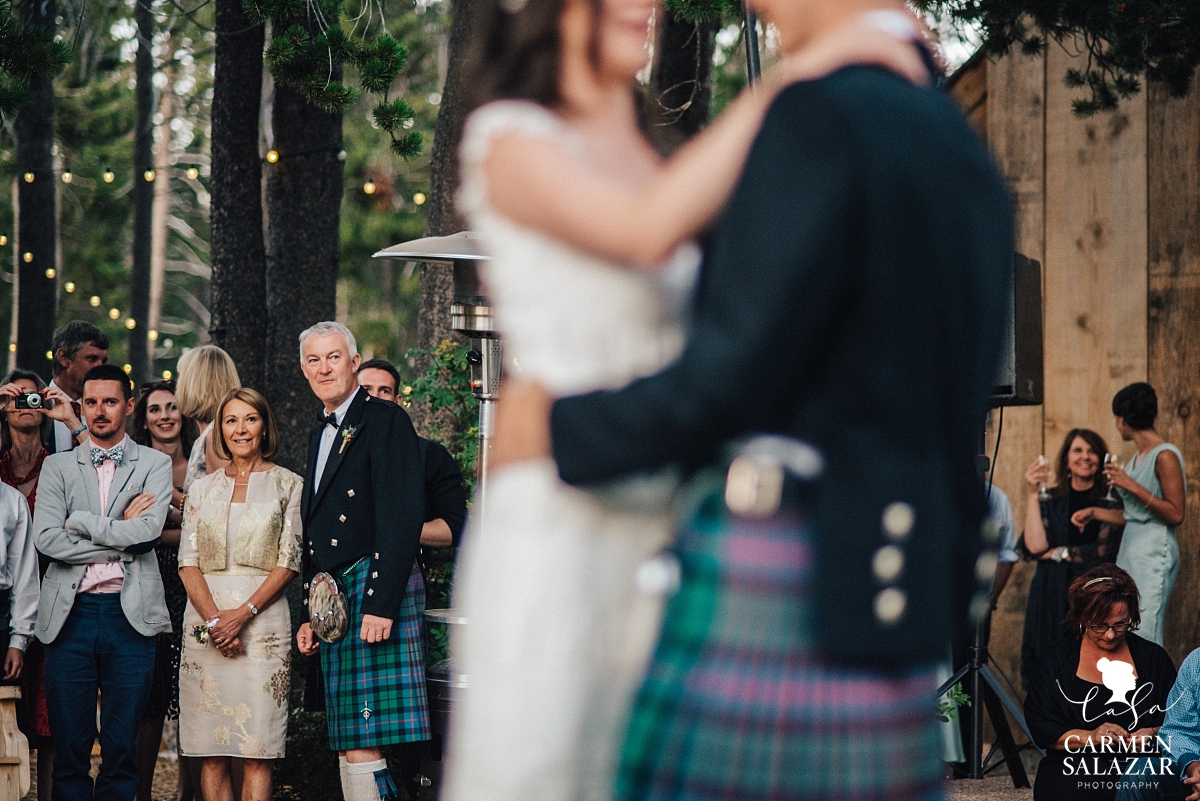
(240, 548)
(207, 375)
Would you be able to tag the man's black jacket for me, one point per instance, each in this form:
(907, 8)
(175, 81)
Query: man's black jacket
(853, 297)
(371, 501)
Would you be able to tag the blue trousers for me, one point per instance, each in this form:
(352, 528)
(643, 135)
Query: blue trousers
(97, 651)
(1141, 785)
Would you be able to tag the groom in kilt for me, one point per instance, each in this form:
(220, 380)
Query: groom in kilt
(363, 508)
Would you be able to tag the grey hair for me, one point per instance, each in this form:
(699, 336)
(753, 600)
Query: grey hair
(325, 329)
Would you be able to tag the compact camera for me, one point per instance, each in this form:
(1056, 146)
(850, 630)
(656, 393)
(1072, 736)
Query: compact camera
(33, 400)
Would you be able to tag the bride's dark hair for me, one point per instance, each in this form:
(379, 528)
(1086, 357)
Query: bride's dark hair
(515, 51)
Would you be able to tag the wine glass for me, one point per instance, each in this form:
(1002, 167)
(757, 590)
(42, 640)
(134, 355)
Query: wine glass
(1043, 496)
(1110, 458)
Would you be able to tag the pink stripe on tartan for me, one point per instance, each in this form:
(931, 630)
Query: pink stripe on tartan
(813, 691)
(767, 552)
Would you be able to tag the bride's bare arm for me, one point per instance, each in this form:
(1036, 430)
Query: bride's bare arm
(541, 185)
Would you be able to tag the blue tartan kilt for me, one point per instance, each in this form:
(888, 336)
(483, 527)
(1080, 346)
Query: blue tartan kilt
(738, 704)
(375, 692)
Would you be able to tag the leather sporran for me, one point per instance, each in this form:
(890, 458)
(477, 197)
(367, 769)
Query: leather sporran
(328, 608)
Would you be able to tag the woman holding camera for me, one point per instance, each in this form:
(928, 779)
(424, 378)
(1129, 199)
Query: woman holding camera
(240, 548)
(24, 433)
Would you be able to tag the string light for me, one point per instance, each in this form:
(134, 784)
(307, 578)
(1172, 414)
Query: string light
(27, 258)
(114, 314)
(128, 368)
(148, 175)
(3, 240)
(94, 300)
(166, 375)
(152, 335)
(419, 198)
(51, 272)
(192, 173)
(341, 155)
(369, 188)
(49, 354)
(109, 177)
(272, 156)
(28, 177)
(69, 286)
(130, 323)
(67, 177)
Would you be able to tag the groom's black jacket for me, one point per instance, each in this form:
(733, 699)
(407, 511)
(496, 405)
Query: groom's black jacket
(853, 297)
(370, 503)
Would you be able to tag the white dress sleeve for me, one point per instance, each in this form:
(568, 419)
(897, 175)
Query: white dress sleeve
(23, 569)
(483, 126)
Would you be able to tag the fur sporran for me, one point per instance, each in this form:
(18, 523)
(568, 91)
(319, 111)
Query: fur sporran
(328, 609)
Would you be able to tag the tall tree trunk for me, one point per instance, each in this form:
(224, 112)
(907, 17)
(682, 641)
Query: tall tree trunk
(680, 91)
(161, 210)
(35, 294)
(239, 290)
(143, 193)
(304, 200)
(437, 280)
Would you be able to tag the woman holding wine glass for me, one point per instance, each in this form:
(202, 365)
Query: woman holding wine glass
(1152, 487)
(1064, 552)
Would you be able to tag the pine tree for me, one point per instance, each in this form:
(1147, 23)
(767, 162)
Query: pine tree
(1124, 41)
(27, 53)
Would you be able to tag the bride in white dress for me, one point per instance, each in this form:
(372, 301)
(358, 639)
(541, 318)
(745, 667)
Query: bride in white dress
(555, 169)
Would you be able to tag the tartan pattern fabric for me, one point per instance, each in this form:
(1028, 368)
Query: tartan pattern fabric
(737, 705)
(375, 693)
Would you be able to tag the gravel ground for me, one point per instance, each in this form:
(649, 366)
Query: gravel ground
(164, 779)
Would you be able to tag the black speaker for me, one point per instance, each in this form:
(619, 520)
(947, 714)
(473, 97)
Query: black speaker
(1019, 382)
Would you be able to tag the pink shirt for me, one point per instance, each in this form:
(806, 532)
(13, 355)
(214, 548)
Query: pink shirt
(104, 577)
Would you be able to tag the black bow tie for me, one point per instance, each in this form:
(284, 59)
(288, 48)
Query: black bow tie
(329, 420)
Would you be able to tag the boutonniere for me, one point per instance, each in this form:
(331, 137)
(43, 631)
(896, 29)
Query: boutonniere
(348, 434)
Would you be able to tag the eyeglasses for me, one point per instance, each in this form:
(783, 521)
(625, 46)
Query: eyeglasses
(1100, 629)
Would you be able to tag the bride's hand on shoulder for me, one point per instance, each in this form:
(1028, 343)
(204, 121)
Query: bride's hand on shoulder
(856, 42)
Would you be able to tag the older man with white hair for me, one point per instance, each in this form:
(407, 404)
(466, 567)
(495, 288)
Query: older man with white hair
(363, 509)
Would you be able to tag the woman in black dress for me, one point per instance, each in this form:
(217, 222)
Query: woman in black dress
(1099, 698)
(1063, 551)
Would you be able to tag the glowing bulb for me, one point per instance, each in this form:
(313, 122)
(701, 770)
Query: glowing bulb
(69, 286)
(28, 177)
(128, 368)
(166, 375)
(419, 198)
(67, 177)
(130, 323)
(109, 177)
(369, 188)
(114, 314)
(272, 156)
(51, 272)
(341, 155)
(192, 173)
(49, 354)
(3, 240)
(27, 258)
(148, 175)
(94, 300)
(152, 335)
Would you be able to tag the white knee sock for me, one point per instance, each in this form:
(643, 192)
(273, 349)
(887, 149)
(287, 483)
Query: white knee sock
(359, 782)
(342, 763)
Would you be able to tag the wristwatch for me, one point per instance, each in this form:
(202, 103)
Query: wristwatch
(253, 609)
(79, 430)
(1060, 554)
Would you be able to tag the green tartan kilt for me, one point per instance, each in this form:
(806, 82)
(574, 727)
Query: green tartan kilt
(375, 692)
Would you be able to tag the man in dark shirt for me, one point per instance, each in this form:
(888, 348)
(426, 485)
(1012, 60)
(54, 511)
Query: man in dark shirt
(445, 495)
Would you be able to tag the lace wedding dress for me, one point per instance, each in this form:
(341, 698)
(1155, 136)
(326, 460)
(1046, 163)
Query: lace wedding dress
(559, 631)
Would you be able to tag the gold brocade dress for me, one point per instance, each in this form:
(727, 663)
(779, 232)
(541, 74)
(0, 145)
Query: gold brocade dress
(238, 706)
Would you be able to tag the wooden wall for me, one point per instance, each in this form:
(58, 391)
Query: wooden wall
(1110, 206)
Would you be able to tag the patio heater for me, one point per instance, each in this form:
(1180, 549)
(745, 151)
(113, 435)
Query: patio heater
(471, 316)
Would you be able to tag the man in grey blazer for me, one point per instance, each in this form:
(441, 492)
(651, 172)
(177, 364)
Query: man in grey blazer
(100, 511)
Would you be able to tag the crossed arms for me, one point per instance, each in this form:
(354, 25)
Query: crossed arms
(82, 537)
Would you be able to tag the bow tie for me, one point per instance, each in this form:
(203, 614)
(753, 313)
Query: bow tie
(329, 420)
(115, 453)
